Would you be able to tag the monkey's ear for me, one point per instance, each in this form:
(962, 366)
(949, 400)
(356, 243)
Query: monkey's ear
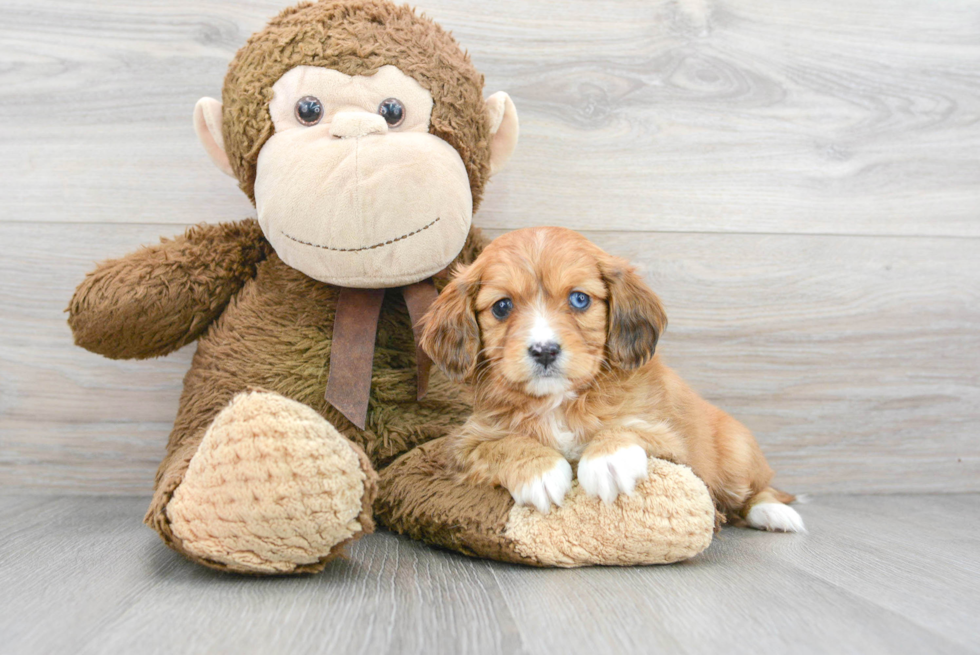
(502, 116)
(207, 126)
(450, 333)
(636, 317)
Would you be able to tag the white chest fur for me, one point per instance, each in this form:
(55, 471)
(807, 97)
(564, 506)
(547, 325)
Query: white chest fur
(563, 439)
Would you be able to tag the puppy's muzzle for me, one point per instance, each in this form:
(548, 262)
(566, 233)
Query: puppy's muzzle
(544, 354)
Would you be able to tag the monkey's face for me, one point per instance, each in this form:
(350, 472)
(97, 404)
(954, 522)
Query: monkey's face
(360, 131)
(352, 188)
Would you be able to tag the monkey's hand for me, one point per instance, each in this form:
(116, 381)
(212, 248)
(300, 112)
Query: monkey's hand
(159, 298)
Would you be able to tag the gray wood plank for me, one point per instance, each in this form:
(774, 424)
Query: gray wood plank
(88, 577)
(82, 575)
(70, 419)
(854, 359)
(733, 599)
(66, 566)
(393, 596)
(900, 552)
(699, 115)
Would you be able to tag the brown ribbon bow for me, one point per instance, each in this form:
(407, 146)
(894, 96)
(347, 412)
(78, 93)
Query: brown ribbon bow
(352, 351)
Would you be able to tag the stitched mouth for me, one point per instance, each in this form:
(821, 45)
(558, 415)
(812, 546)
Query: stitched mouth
(362, 248)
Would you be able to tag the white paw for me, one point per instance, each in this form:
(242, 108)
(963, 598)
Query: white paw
(775, 517)
(550, 487)
(607, 476)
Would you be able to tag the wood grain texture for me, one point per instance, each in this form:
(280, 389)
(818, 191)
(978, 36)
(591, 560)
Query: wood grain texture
(835, 117)
(82, 575)
(854, 360)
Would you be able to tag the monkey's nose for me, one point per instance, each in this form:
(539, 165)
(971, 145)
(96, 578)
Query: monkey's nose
(544, 353)
(352, 124)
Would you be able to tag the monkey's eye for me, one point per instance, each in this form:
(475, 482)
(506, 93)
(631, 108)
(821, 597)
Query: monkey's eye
(393, 111)
(309, 110)
(502, 308)
(579, 300)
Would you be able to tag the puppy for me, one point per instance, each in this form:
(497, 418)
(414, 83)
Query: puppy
(557, 338)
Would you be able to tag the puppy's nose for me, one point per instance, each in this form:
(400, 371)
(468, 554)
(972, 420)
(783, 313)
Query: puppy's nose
(544, 353)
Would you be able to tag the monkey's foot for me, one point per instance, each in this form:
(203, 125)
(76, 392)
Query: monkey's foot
(669, 516)
(273, 488)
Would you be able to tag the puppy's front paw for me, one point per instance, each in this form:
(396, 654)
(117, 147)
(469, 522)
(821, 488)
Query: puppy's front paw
(607, 476)
(546, 488)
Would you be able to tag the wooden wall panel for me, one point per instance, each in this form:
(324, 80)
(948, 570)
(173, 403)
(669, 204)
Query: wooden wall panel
(829, 117)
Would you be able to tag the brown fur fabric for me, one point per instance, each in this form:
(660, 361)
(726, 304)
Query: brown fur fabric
(356, 38)
(467, 518)
(163, 297)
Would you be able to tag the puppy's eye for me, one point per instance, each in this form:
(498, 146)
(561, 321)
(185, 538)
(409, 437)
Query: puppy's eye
(579, 300)
(393, 111)
(309, 110)
(502, 308)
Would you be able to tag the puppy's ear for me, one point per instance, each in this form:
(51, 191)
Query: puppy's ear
(450, 332)
(636, 317)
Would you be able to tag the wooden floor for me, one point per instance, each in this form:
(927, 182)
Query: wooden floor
(876, 574)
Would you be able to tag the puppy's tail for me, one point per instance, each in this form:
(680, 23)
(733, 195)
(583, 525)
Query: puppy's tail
(769, 510)
(782, 496)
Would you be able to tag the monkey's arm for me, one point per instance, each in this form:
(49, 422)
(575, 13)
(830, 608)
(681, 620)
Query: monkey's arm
(159, 298)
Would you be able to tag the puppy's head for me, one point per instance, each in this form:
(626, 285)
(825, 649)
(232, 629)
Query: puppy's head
(541, 311)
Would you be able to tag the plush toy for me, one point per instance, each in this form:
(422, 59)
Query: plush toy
(360, 133)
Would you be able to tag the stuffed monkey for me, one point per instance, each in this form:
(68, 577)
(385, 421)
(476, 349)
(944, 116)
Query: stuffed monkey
(359, 131)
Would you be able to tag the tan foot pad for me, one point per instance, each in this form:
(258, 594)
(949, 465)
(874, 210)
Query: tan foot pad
(670, 516)
(273, 488)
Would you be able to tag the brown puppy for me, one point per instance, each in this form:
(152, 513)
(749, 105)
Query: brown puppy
(558, 338)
